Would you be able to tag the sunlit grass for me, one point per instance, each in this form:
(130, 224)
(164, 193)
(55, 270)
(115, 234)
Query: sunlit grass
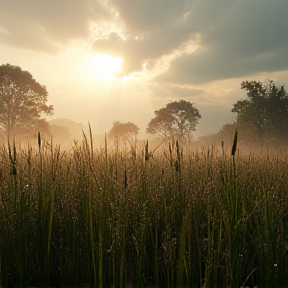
(177, 219)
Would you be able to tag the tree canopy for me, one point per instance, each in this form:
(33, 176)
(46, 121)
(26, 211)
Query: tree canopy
(263, 117)
(123, 131)
(177, 119)
(22, 102)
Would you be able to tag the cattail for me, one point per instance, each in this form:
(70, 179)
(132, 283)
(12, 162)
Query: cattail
(12, 153)
(39, 141)
(146, 151)
(125, 179)
(234, 146)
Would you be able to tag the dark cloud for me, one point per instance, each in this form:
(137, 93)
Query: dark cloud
(237, 38)
(236, 41)
(145, 16)
(206, 66)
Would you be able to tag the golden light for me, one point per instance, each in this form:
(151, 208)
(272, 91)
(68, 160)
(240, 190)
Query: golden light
(103, 67)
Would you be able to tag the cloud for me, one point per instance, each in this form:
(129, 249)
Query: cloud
(153, 29)
(44, 24)
(142, 17)
(206, 66)
(237, 38)
(234, 38)
(138, 52)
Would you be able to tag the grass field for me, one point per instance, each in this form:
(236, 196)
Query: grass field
(178, 219)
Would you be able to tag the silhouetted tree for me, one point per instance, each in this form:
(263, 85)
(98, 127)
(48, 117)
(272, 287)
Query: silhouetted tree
(263, 117)
(22, 102)
(72, 128)
(225, 134)
(177, 120)
(124, 131)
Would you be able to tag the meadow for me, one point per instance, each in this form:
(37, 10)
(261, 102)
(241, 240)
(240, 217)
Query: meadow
(108, 217)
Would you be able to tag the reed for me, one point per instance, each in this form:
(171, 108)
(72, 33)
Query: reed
(109, 217)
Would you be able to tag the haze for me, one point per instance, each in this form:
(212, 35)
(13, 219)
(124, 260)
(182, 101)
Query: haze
(120, 60)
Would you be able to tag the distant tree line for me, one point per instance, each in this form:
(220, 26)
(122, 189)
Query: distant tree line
(261, 118)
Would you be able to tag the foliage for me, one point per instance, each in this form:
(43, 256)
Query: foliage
(22, 102)
(123, 131)
(177, 120)
(225, 134)
(66, 131)
(263, 117)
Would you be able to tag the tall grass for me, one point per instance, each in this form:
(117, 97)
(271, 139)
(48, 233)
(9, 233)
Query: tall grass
(173, 219)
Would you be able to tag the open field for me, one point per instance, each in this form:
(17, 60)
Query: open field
(178, 219)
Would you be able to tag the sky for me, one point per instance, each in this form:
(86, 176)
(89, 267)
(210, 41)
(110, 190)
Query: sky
(120, 60)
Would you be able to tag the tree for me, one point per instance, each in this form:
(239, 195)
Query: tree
(177, 119)
(225, 135)
(75, 130)
(124, 131)
(263, 117)
(22, 102)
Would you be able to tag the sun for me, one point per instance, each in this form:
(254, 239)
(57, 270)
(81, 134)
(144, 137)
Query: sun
(103, 67)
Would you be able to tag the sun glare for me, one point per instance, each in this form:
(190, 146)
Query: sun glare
(103, 67)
